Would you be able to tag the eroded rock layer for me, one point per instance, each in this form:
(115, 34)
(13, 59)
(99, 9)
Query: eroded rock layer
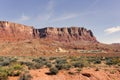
(12, 31)
(67, 34)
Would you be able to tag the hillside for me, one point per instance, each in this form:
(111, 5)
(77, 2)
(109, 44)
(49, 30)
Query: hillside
(18, 39)
(68, 53)
(13, 31)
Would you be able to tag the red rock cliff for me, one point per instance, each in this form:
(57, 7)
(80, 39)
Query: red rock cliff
(67, 34)
(12, 31)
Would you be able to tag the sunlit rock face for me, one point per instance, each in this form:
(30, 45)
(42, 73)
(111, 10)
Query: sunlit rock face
(13, 31)
(67, 34)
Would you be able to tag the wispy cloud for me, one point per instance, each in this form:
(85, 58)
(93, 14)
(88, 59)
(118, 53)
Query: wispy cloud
(21, 19)
(112, 30)
(24, 18)
(92, 5)
(64, 17)
(49, 10)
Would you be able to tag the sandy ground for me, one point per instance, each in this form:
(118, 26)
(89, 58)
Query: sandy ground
(85, 74)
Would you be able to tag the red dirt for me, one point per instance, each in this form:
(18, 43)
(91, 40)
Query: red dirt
(109, 74)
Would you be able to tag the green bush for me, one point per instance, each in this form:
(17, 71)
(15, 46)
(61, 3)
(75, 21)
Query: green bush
(30, 65)
(109, 62)
(40, 60)
(78, 64)
(13, 73)
(48, 64)
(52, 58)
(25, 76)
(53, 70)
(4, 63)
(38, 65)
(66, 66)
(17, 67)
(3, 76)
(97, 61)
(61, 61)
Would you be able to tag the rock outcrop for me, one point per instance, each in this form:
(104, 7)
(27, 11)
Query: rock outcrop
(12, 31)
(67, 34)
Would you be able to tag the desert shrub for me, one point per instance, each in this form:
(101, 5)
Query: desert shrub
(25, 76)
(97, 61)
(16, 73)
(59, 66)
(52, 58)
(63, 66)
(14, 70)
(1, 59)
(78, 64)
(53, 70)
(13, 59)
(79, 69)
(109, 62)
(40, 60)
(81, 62)
(4, 63)
(112, 71)
(3, 76)
(38, 65)
(74, 58)
(116, 60)
(33, 65)
(118, 64)
(61, 61)
(85, 62)
(48, 64)
(30, 65)
(66, 66)
(17, 67)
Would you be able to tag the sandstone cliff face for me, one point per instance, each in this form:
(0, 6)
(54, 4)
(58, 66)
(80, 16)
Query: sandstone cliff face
(67, 34)
(12, 31)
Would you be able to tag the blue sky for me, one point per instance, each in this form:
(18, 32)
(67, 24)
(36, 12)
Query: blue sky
(101, 16)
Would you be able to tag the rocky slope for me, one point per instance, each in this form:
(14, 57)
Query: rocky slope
(12, 31)
(27, 38)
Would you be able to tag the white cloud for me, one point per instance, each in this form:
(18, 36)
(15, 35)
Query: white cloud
(64, 17)
(112, 30)
(24, 18)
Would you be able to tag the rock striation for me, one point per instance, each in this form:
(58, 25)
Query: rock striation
(12, 31)
(67, 34)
